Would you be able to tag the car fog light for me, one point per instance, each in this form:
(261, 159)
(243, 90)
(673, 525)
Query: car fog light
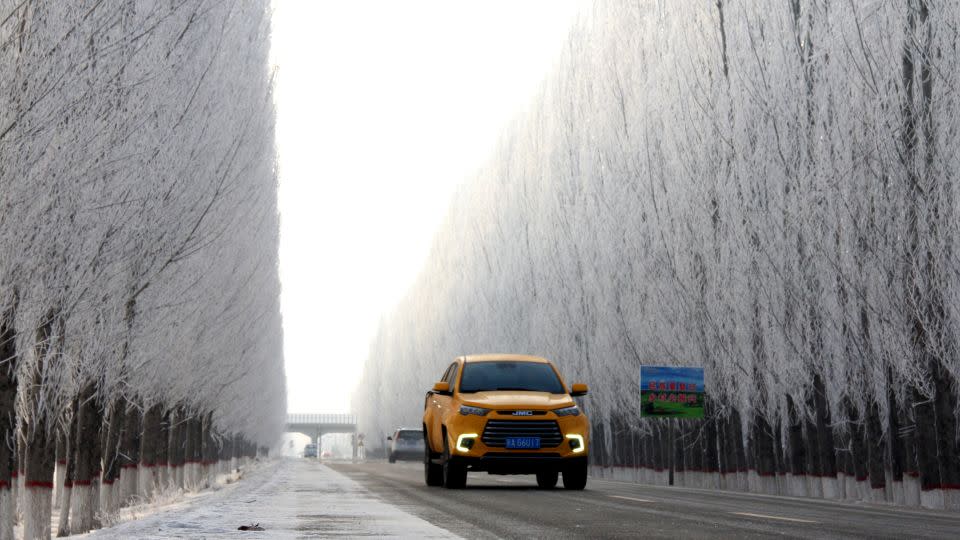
(576, 443)
(465, 441)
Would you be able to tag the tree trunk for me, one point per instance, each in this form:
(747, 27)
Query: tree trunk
(825, 463)
(41, 444)
(70, 471)
(85, 500)
(109, 501)
(711, 456)
(208, 450)
(8, 425)
(150, 443)
(763, 455)
(876, 452)
(163, 452)
(130, 454)
(797, 458)
(191, 444)
(858, 457)
(175, 451)
(60, 471)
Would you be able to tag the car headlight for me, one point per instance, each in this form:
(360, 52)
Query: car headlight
(568, 411)
(467, 410)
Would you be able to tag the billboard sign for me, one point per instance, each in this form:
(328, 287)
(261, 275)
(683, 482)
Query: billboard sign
(671, 392)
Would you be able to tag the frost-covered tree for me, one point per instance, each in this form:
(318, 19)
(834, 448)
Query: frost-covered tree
(766, 190)
(138, 251)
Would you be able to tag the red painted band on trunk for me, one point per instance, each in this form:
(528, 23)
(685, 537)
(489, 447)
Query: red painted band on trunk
(14, 474)
(107, 482)
(766, 474)
(148, 465)
(67, 484)
(862, 478)
(4, 484)
(812, 475)
(912, 474)
(129, 466)
(61, 462)
(932, 487)
(38, 484)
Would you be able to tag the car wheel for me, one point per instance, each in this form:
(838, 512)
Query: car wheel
(575, 477)
(547, 480)
(454, 474)
(432, 473)
(392, 458)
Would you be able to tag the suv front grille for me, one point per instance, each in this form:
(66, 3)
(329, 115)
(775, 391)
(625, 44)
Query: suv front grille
(495, 433)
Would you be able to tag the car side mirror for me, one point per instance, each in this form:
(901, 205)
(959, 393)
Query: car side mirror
(389, 438)
(578, 389)
(441, 387)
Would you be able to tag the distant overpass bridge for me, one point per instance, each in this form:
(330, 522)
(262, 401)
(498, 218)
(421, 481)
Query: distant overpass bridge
(317, 425)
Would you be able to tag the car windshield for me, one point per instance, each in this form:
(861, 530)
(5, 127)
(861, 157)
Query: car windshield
(530, 376)
(409, 435)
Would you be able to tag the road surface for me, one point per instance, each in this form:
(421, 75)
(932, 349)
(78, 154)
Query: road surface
(512, 507)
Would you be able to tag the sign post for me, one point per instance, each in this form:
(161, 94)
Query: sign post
(671, 392)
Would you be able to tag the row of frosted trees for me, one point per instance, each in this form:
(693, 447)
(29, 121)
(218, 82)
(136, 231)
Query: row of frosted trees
(140, 338)
(763, 189)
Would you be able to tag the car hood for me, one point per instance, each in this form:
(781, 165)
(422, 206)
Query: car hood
(515, 399)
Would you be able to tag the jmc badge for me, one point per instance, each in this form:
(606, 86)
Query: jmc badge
(671, 392)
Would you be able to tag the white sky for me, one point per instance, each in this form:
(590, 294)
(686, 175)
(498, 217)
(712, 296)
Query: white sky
(383, 108)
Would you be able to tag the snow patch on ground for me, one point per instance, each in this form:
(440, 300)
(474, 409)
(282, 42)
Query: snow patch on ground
(288, 498)
(170, 499)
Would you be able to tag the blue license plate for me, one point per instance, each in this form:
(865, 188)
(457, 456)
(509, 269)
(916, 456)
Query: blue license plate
(523, 443)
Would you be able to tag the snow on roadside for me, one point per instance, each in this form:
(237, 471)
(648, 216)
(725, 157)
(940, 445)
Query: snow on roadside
(167, 500)
(288, 498)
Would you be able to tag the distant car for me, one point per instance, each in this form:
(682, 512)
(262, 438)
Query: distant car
(310, 451)
(405, 444)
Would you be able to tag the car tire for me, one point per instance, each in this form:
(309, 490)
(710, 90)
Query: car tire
(432, 473)
(454, 474)
(392, 458)
(575, 477)
(547, 479)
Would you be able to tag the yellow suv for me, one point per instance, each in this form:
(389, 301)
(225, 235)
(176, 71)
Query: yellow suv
(504, 414)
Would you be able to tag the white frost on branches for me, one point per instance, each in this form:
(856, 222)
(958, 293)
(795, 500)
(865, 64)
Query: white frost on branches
(690, 192)
(138, 204)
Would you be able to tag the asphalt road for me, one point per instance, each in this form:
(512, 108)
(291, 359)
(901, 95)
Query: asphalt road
(512, 507)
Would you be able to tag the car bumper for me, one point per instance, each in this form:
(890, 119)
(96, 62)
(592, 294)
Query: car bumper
(573, 448)
(409, 455)
(509, 463)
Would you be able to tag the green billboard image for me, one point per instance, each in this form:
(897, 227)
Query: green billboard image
(671, 392)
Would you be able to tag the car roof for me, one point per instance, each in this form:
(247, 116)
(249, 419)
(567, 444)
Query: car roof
(504, 357)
